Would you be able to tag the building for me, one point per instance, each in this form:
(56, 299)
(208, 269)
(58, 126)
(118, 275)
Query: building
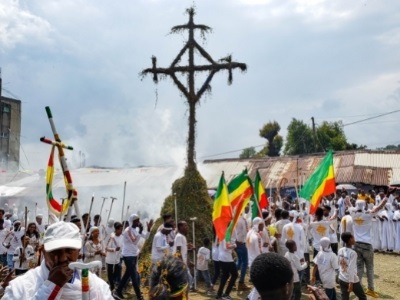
(365, 169)
(10, 131)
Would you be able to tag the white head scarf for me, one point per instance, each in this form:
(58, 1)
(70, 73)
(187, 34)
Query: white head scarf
(257, 221)
(325, 244)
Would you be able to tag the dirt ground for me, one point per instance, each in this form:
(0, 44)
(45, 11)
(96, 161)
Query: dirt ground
(387, 281)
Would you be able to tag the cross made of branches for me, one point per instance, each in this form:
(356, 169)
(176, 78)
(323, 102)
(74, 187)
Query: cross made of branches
(190, 92)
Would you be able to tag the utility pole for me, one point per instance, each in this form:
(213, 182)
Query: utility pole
(314, 134)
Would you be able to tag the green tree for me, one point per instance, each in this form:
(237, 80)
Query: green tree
(299, 139)
(353, 146)
(270, 132)
(330, 135)
(390, 147)
(248, 153)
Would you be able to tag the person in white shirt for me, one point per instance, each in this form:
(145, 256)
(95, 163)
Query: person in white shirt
(387, 233)
(254, 241)
(348, 279)
(181, 246)
(332, 227)
(113, 255)
(203, 258)
(319, 229)
(228, 269)
(160, 246)
(294, 231)
(3, 249)
(23, 256)
(94, 250)
(12, 241)
(53, 279)
(130, 253)
(39, 224)
(362, 224)
(279, 226)
(242, 262)
(396, 220)
(326, 263)
(346, 223)
(297, 265)
(214, 256)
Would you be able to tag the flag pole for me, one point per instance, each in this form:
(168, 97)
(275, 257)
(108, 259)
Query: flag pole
(123, 202)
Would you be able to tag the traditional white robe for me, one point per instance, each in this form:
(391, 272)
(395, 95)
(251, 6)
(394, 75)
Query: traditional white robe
(34, 285)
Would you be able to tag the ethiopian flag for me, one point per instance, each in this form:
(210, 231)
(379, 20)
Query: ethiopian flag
(260, 199)
(240, 190)
(222, 212)
(320, 183)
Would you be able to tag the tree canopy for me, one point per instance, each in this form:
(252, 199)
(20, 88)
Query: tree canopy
(274, 141)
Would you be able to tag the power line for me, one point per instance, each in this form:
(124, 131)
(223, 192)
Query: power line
(370, 118)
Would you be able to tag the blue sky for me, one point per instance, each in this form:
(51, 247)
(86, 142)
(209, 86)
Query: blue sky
(334, 60)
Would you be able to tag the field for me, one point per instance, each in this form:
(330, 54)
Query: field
(387, 281)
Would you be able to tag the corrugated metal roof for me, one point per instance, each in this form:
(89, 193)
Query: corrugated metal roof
(361, 166)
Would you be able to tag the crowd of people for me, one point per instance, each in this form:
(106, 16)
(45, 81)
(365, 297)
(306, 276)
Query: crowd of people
(331, 247)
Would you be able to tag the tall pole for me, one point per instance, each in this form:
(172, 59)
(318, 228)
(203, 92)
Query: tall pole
(194, 252)
(314, 134)
(123, 202)
(176, 210)
(109, 212)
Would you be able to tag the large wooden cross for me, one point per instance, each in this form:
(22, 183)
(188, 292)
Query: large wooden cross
(192, 94)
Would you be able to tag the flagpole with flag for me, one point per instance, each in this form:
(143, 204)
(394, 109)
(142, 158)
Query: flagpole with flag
(320, 183)
(222, 212)
(240, 190)
(261, 199)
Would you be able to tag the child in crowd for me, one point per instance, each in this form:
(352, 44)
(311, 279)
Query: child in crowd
(326, 263)
(203, 258)
(348, 279)
(297, 265)
(113, 255)
(23, 256)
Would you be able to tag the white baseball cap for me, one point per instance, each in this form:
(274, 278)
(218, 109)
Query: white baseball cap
(62, 235)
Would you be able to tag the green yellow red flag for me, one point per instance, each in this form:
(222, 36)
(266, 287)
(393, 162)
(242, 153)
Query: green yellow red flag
(240, 190)
(222, 212)
(260, 199)
(320, 183)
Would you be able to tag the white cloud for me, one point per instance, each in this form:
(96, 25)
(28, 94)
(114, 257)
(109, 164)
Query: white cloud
(19, 26)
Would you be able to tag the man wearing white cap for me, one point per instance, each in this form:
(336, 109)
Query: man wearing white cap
(53, 279)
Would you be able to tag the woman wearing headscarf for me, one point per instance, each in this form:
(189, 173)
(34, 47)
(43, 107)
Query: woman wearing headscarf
(326, 262)
(94, 247)
(254, 241)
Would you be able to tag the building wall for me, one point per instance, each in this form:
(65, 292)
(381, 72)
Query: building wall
(10, 132)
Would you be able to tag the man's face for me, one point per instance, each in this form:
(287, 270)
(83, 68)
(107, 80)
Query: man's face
(261, 226)
(60, 257)
(96, 221)
(16, 226)
(326, 212)
(135, 223)
(184, 228)
(118, 231)
(39, 220)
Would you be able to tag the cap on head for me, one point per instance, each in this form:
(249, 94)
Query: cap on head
(62, 235)
(40, 216)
